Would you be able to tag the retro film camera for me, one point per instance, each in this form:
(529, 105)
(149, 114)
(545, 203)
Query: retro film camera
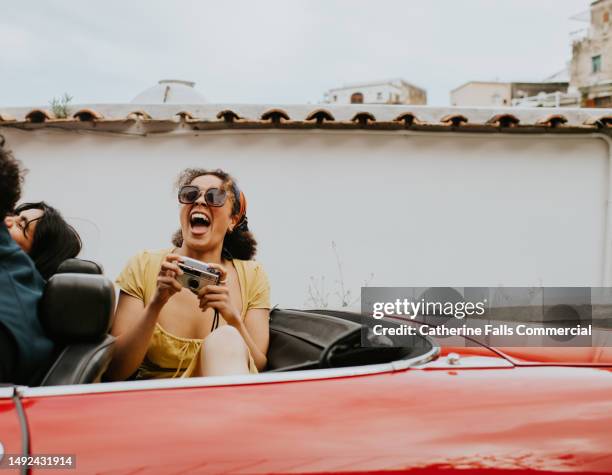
(197, 274)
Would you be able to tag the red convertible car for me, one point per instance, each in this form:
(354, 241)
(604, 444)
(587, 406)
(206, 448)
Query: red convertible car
(325, 404)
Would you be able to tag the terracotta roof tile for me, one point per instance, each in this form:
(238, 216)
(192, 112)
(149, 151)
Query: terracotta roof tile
(139, 115)
(454, 119)
(408, 118)
(552, 120)
(87, 115)
(276, 116)
(229, 116)
(600, 121)
(320, 116)
(7, 118)
(186, 116)
(504, 120)
(172, 118)
(363, 118)
(38, 116)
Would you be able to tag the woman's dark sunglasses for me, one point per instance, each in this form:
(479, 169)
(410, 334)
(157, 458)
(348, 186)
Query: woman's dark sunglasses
(188, 194)
(23, 224)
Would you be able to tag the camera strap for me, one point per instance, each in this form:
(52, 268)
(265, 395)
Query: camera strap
(215, 323)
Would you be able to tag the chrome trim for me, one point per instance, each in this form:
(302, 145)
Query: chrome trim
(25, 431)
(7, 392)
(262, 378)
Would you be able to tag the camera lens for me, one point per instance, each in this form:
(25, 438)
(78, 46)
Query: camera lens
(194, 284)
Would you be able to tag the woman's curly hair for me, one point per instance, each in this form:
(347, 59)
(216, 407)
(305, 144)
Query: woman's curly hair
(240, 243)
(11, 179)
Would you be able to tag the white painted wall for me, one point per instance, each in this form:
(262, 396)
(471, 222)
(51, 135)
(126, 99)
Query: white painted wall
(419, 210)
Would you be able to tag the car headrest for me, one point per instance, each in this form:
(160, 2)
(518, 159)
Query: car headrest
(79, 266)
(77, 307)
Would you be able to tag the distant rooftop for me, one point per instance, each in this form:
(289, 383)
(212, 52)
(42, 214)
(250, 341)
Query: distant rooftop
(556, 78)
(398, 82)
(559, 76)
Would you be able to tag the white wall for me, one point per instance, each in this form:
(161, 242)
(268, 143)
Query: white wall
(438, 209)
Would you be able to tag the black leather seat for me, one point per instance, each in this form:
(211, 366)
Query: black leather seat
(76, 311)
(79, 266)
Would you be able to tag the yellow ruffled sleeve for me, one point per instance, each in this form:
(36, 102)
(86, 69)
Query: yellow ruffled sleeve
(260, 289)
(132, 277)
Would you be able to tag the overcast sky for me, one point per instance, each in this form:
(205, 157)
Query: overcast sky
(274, 51)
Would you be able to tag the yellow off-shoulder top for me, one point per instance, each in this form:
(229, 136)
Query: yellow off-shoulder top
(168, 355)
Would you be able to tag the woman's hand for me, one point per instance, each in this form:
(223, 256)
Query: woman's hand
(167, 285)
(218, 298)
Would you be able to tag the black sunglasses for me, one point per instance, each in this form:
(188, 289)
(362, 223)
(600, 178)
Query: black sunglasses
(23, 224)
(188, 194)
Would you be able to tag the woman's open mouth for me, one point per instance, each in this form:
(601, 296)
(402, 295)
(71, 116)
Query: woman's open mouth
(199, 222)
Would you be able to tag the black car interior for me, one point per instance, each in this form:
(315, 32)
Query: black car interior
(327, 339)
(77, 311)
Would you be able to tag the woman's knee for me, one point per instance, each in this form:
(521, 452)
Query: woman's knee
(225, 340)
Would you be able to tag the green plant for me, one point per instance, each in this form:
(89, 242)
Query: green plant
(59, 106)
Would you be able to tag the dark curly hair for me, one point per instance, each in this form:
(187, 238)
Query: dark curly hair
(240, 243)
(11, 179)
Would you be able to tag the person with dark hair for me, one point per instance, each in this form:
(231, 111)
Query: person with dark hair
(164, 330)
(25, 351)
(41, 231)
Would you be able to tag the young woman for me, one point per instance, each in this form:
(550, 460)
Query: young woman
(42, 233)
(165, 330)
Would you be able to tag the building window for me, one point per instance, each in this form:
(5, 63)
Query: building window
(335, 98)
(357, 98)
(596, 62)
(603, 102)
(379, 96)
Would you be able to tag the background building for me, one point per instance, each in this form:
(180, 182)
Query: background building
(392, 91)
(495, 94)
(591, 66)
(479, 93)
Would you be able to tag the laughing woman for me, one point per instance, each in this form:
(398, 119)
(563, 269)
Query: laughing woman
(164, 330)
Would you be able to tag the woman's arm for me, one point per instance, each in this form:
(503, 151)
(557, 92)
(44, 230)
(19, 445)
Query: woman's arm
(133, 328)
(255, 331)
(135, 322)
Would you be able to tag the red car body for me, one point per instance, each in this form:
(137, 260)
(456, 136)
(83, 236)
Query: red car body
(520, 412)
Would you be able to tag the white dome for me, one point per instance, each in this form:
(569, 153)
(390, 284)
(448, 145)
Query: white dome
(170, 91)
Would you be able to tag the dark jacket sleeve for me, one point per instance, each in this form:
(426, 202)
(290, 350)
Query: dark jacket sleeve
(8, 356)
